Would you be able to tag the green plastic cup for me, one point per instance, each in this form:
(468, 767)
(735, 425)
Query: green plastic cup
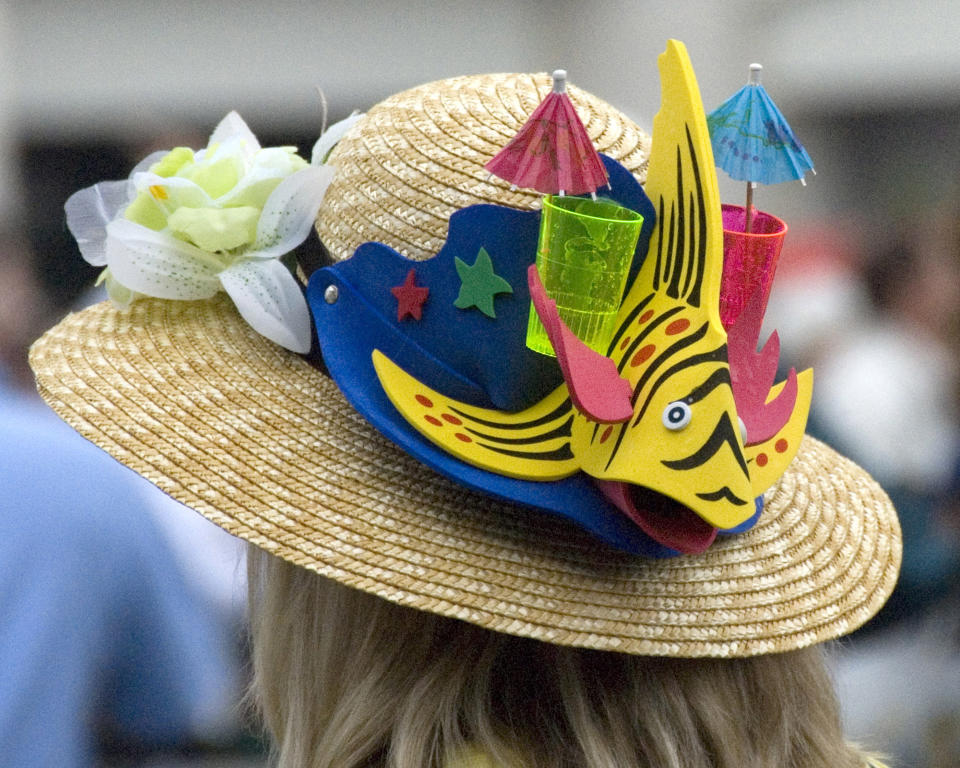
(584, 254)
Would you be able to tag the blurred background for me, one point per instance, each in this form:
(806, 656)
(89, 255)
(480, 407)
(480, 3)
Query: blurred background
(868, 293)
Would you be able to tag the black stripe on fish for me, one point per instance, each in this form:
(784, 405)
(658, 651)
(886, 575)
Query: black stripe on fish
(670, 253)
(722, 434)
(615, 341)
(659, 263)
(563, 453)
(556, 413)
(693, 296)
(561, 431)
(673, 288)
(718, 378)
(723, 493)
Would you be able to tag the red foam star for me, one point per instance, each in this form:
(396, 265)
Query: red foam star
(410, 297)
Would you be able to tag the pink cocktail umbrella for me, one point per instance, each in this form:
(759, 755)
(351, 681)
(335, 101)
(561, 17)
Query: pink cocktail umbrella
(552, 152)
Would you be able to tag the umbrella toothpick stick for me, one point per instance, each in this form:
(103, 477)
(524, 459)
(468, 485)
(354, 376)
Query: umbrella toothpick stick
(560, 86)
(753, 79)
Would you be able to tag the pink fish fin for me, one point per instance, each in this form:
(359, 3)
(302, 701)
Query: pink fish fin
(596, 388)
(752, 374)
(772, 417)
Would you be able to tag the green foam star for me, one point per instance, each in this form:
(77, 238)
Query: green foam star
(479, 284)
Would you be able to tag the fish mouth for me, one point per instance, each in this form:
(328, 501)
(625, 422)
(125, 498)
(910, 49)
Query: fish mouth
(664, 520)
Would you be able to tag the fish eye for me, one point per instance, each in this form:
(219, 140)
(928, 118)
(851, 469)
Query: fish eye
(676, 415)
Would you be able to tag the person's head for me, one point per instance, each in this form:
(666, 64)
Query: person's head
(467, 544)
(347, 680)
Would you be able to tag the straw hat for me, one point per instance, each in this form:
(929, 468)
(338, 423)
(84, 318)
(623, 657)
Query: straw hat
(263, 443)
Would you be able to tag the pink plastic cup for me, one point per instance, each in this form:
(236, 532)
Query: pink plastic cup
(749, 260)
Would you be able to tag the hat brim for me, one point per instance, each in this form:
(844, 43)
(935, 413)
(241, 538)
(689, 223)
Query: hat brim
(264, 445)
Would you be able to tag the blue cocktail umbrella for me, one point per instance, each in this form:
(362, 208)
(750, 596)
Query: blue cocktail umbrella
(752, 141)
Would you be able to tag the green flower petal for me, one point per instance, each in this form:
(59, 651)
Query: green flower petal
(120, 295)
(215, 178)
(254, 194)
(214, 229)
(146, 211)
(173, 161)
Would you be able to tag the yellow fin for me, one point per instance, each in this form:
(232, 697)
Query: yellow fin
(685, 257)
(533, 444)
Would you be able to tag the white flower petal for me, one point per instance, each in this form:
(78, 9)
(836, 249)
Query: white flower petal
(290, 210)
(329, 138)
(88, 213)
(284, 160)
(232, 127)
(270, 300)
(149, 160)
(156, 264)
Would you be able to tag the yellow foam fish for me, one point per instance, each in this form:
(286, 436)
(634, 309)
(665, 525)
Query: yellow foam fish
(684, 440)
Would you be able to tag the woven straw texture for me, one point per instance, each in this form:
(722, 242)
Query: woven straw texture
(265, 446)
(419, 155)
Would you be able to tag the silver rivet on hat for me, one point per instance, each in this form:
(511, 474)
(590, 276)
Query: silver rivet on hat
(331, 294)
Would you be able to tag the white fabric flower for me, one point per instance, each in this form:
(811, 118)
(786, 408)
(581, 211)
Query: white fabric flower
(186, 225)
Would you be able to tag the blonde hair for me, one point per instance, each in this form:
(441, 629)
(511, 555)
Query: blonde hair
(348, 680)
